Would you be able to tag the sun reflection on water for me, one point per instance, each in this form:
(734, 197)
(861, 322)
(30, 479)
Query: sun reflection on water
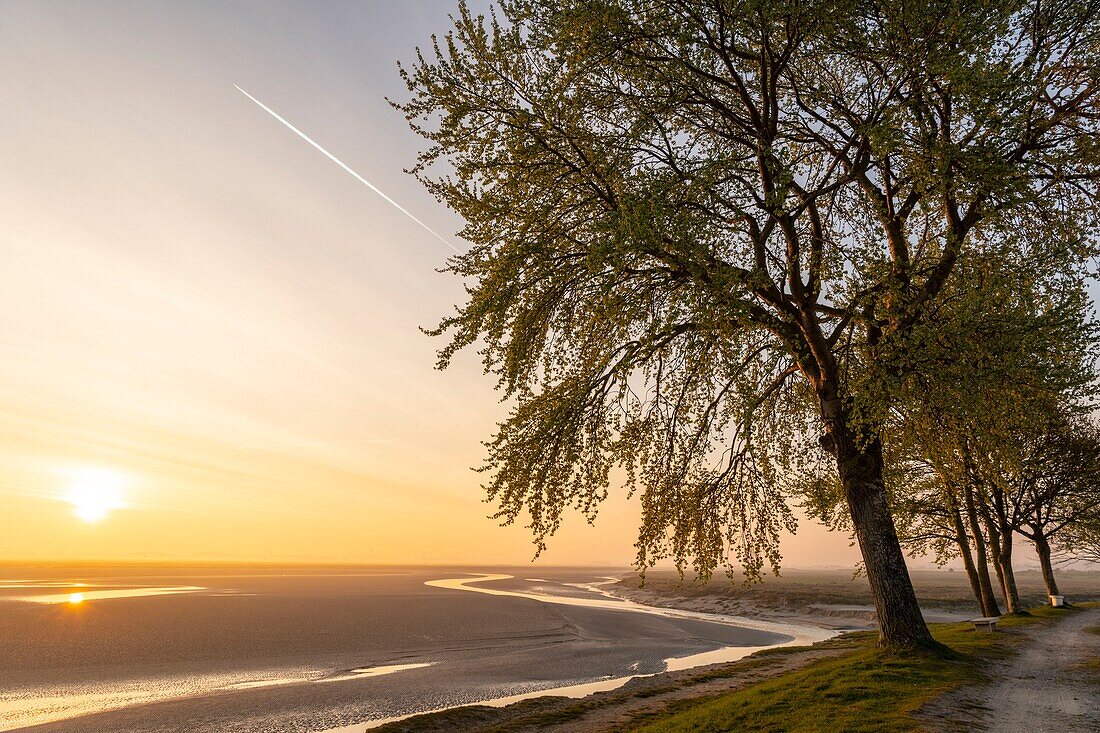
(88, 593)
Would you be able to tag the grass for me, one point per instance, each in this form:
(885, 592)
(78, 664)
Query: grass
(866, 690)
(1092, 666)
(544, 712)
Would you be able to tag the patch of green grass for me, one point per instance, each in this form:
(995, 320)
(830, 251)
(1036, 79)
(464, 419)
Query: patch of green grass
(865, 690)
(546, 712)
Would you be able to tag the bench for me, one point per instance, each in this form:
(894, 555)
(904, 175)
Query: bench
(986, 623)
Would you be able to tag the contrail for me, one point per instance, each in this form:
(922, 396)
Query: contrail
(340, 163)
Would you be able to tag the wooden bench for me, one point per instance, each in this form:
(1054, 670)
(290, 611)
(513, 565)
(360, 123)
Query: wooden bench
(985, 623)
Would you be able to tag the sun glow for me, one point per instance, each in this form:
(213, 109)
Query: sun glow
(76, 598)
(95, 493)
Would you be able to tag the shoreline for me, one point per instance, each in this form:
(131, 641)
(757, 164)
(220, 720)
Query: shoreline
(799, 635)
(524, 643)
(589, 641)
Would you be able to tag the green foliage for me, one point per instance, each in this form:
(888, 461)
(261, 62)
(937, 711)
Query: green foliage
(1082, 538)
(1000, 372)
(703, 233)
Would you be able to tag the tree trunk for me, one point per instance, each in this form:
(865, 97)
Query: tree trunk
(988, 597)
(994, 546)
(1012, 595)
(1042, 549)
(899, 616)
(963, 543)
(990, 607)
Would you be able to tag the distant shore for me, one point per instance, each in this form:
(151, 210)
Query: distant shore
(833, 599)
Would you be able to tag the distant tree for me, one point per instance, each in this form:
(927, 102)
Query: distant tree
(1008, 353)
(1061, 476)
(1081, 539)
(937, 516)
(1040, 487)
(704, 231)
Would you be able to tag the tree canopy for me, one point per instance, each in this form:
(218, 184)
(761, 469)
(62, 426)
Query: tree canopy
(706, 232)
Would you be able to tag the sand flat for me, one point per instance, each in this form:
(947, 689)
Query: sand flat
(294, 650)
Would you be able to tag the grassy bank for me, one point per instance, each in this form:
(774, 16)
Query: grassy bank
(867, 689)
(623, 704)
(844, 684)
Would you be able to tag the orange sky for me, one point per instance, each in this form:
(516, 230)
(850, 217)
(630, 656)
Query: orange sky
(200, 307)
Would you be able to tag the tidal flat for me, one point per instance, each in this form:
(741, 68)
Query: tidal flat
(280, 648)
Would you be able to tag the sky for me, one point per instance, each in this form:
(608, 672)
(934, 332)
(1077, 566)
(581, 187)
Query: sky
(209, 343)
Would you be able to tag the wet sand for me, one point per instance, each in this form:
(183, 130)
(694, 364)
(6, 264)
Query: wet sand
(310, 649)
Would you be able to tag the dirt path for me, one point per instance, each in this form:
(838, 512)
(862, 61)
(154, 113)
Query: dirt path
(1046, 687)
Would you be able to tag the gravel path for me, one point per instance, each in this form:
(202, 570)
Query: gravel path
(1046, 687)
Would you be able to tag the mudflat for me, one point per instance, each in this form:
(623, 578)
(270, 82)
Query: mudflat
(306, 649)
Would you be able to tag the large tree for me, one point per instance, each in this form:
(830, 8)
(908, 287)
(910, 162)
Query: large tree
(703, 231)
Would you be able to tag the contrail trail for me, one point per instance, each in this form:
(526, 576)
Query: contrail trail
(340, 163)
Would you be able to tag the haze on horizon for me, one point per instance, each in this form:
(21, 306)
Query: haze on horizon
(210, 331)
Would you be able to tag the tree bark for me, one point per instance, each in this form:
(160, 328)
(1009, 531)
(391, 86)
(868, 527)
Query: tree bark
(899, 616)
(963, 543)
(990, 607)
(1042, 549)
(988, 597)
(1012, 595)
(1001, 529)
(994, 547)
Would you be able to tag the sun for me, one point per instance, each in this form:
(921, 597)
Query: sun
(95, 493)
